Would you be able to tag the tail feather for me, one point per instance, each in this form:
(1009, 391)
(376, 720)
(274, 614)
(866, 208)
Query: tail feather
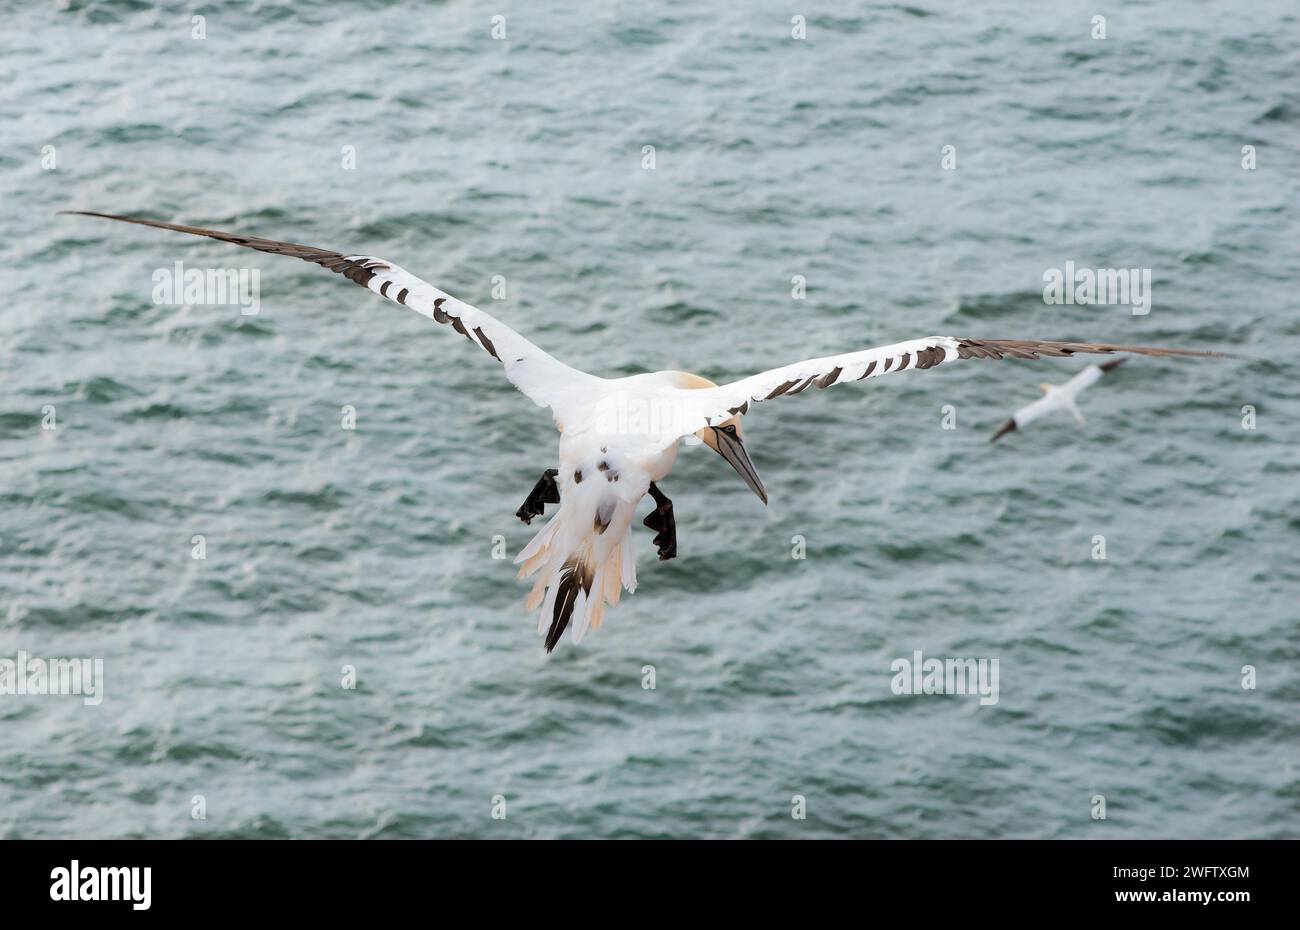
(580, 566)
(629, 565)
(529, 557)
(583, 557)
(574, 585)
(585, 609)
(611, 573)
(548, 606)
(535, 595)
(597, 613)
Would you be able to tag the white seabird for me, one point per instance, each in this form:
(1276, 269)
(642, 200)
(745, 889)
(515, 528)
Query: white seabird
(619, 436)
(1057, 397)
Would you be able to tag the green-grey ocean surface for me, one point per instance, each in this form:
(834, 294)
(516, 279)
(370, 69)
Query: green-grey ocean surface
(522, 157)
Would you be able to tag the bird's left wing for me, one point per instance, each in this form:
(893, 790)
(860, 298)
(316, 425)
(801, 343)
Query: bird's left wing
(710, 406)
(542, 378)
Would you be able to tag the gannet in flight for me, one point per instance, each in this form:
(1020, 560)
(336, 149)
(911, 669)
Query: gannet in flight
(1057, 397)
(619, 436)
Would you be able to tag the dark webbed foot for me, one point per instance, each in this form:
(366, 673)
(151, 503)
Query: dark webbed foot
(661, 521)
(544, 492)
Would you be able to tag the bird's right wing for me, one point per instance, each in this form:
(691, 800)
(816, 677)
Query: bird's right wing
(710, 406)
(542, 378)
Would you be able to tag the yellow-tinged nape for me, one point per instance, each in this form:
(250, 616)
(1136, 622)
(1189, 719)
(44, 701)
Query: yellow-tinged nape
(689, 382)
(723, 438)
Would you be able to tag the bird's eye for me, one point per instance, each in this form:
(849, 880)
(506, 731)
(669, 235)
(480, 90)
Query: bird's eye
(730, 429)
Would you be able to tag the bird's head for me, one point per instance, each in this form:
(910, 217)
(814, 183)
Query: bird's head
(725, 440)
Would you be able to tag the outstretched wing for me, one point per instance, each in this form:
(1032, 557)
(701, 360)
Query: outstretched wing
(710, 406)
(543, 379)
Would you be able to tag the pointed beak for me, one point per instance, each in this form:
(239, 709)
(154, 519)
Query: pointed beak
(732, 449)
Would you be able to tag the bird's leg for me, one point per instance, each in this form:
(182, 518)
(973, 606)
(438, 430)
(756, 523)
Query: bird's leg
(543, 493)
(661, 521)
